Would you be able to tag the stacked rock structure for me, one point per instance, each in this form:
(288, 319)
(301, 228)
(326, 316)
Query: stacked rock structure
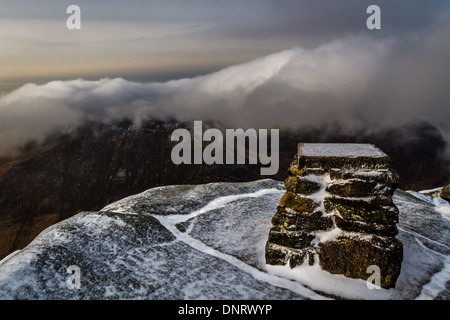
(338, 211)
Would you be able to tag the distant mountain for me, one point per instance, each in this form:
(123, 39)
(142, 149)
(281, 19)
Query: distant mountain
(101, 163)
(207, 242)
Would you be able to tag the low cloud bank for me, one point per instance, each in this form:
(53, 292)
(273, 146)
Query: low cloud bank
(356, 83)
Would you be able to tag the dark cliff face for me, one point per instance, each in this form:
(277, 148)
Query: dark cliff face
(103, 163)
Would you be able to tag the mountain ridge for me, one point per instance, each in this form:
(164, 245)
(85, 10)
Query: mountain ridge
(207, 242)
(101, 163)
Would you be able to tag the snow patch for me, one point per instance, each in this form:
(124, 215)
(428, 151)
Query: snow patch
(334, 284)
(431, 190)
(441, 205)
(318, 197)
(444, 210)
(170, 222)
(329, 235)
(9, 256)
(340, 150)
(425, 269)
(437, 283)
(217, 204)
(281, 282)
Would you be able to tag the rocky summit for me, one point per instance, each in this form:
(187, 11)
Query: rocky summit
(98, 165)
(208, 242)
(101, 163)
(338, 210)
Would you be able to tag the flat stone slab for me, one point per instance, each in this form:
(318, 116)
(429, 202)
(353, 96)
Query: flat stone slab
(342, 155)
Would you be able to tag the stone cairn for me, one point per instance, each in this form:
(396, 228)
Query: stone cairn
(338, 211)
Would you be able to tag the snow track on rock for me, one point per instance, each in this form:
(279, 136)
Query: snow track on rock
(170, 222)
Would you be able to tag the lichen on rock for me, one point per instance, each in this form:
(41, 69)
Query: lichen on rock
(346, 188)
(352, 255)
(445, 193)
(299, 184)
(297, 202)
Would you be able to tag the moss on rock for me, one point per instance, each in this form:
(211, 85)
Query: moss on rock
(295, 170)
(302, 185)
(351, 256)
(297, 202)
(445, 193)
(358, 201)
(283, 219)
(276, 255)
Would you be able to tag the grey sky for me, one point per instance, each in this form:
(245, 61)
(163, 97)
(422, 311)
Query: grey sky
(263, 64)
(158, 40)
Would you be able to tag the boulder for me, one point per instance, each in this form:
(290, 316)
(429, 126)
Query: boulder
(445, 193)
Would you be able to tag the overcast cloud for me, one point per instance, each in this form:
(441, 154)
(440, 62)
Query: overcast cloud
(143, 40)
(355, 81)
(333, 71)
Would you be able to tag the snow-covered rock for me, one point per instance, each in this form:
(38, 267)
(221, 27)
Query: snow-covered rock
(358, 211)
(207, 242)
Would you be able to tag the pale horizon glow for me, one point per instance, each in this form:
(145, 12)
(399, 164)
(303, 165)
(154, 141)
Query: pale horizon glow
(262, 64)
(145, 40)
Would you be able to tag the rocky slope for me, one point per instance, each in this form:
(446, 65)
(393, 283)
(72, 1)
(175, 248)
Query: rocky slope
(98, 166)
(103, 163)
(207, 242)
